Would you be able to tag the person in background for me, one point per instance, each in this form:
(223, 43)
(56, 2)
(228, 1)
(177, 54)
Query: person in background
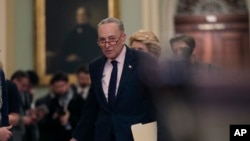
(27, 118)
(64, 108)
(183, 68)
(33, 82)
(32, 130)
(42, 110)
(183, 47)
(147, 41)
(83, 81)
(183, 78)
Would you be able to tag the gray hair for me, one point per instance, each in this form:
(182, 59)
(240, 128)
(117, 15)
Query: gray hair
(112, 20)
(189, 40)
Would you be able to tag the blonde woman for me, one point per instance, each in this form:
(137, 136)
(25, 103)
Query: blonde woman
(146, 41)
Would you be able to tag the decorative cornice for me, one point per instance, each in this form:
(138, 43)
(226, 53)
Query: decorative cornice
(202, 7)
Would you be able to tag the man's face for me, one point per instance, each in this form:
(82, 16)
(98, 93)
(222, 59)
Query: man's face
(60, 87)
(81, 16)
(83, 79)
(181, 49)
(22, 84)
(111, 40)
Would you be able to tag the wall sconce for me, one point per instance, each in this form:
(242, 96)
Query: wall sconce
(211, 18)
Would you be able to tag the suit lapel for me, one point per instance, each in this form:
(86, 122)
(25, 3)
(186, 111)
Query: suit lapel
(128, 68)
(99, 73)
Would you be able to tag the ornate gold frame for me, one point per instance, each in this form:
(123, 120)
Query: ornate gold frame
(40, 40)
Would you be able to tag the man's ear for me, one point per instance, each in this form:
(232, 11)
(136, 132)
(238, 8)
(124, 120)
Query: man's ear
(124, 37)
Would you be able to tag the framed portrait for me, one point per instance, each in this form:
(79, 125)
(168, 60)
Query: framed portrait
(66, 35)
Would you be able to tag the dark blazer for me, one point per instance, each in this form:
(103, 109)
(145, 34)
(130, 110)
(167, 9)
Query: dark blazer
(44, 127)
(133, 102)
(4, 101)
(45, 100)
(60, 132)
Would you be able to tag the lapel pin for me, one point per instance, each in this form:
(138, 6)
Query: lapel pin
(130, 66)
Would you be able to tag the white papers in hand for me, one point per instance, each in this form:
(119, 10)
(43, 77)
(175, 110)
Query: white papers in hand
(144, 132)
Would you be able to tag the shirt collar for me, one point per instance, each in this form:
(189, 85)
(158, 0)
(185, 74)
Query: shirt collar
(121, 57)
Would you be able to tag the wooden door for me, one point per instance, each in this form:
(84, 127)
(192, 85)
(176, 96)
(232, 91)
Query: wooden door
(227, 46)
(231, 49)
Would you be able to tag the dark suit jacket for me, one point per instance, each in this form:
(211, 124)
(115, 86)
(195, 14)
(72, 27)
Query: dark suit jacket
(44, 127)
(4, 101)
(13, 97)
(133, 102)
(59, 132)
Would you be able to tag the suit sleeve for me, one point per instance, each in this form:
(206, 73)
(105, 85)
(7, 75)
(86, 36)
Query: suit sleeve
(150, 73)
(84, 130)
(14, 98)
(76, 104)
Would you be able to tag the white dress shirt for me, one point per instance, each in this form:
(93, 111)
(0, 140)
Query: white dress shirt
(82, 91)
(108, 69)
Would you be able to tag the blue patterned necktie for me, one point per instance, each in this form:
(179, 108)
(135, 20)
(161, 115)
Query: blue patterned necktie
(112, 85)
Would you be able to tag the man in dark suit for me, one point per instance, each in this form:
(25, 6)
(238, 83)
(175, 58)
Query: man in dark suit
(42, 109)
(60, 110)
(83, 81)
(121, 88)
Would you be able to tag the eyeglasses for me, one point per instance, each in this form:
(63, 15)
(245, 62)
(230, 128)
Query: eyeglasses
(103, 43)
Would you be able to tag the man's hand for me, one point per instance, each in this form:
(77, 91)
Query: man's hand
(13, 118)
(64, 119)
(27, 120)
(41, 112)
(5, 133)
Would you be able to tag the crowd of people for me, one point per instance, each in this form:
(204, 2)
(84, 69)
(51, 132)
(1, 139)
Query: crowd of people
(49, 118)
(125, 86)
